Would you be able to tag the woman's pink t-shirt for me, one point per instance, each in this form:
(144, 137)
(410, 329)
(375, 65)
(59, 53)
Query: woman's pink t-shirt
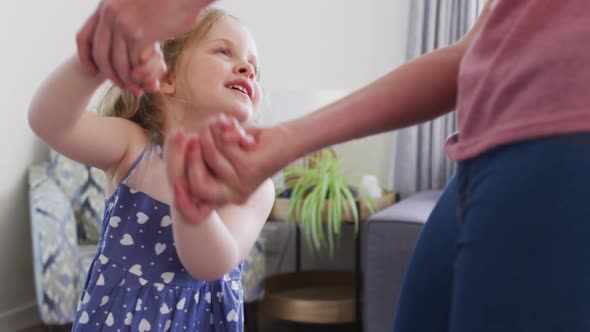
(526, 76)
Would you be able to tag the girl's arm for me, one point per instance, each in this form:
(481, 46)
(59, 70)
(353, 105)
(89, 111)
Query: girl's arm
(215, 245)
(209, 241)
(57, 114)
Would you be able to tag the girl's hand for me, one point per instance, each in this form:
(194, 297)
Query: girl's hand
(150, 69)
(176, 152)
(208, 169)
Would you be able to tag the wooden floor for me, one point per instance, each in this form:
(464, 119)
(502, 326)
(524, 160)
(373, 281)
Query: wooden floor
(266, 325)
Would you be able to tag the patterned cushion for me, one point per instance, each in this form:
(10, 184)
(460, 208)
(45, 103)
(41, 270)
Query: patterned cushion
(84, 187)
(55, 248)
(253, 272)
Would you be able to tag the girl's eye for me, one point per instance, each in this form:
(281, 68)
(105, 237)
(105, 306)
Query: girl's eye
(224, 51)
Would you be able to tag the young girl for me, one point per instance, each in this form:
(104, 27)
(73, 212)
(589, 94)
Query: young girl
(506, 248)
(154, 271)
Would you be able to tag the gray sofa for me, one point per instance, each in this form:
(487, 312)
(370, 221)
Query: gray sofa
(389, 241)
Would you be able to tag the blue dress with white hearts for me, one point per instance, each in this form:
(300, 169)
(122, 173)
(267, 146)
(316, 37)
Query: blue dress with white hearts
(136, 281)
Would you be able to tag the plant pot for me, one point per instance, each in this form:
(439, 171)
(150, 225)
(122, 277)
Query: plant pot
(281, 208)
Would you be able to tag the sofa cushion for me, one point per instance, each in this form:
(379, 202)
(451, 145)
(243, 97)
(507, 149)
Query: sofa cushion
(414, 209)
(55, 251)
(85, 188)
(253, 272)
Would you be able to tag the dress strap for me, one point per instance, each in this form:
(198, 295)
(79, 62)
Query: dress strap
(146, 152)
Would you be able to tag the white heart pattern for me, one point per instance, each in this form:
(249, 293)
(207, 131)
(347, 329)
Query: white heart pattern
(142, 281)
(114, 222)
(110, 320)
(103, 259)
(138, 305)
(160, 247)
(197, 298)
(85, 297)
(144, 325)
(166, 221)
(180, 304)
(235, 285)
(159, 286)
(168, 324)
(142, 218)
(220, 297)
(84, 318)
(104, 300)
(100, 281)
(136, 269)
(127, 240)
(167, 277)
(128, 318)
(232, 316)
(164, 309)
(208, 297)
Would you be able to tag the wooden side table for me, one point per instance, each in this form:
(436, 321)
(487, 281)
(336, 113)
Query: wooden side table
(319, 297)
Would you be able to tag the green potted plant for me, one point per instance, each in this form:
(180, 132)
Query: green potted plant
(320, 194)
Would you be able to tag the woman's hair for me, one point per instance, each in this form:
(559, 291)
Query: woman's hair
(146, 110)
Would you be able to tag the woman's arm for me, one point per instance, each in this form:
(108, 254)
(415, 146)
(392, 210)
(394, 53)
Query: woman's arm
(417, 91)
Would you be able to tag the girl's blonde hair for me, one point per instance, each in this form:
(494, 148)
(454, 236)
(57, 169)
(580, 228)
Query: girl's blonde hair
(146, 110)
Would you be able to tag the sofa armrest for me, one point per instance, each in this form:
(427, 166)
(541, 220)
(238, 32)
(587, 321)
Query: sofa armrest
(390, 239)
(55, 248)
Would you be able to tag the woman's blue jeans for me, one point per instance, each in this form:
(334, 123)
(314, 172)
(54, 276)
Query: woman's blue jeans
(507, 247)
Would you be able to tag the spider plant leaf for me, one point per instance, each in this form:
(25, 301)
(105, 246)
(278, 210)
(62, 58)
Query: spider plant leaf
(338, 208)
(353, 207)
(308, 220)
(322, 193)
(330, 216)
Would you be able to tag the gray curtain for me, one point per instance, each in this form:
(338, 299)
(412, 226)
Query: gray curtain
(419, 159)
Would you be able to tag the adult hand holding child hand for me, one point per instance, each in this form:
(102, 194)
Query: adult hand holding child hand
(112, 40)
(231, 161)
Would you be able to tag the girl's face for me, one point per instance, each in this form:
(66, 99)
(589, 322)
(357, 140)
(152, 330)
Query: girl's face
(218, 72)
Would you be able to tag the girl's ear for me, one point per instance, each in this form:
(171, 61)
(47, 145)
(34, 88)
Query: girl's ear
(167, 85)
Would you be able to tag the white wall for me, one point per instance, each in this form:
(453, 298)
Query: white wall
(305, 45)
(35, 36)
(313, 51)
(328, 45)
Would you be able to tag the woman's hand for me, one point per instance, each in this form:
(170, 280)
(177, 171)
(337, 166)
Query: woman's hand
(233, 162)
(113, 38)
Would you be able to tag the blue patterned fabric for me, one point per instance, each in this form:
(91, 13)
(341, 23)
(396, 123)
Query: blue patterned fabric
(137, 281)
(61, 259)
(253, 272)
(55, 248)
(84, 187)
